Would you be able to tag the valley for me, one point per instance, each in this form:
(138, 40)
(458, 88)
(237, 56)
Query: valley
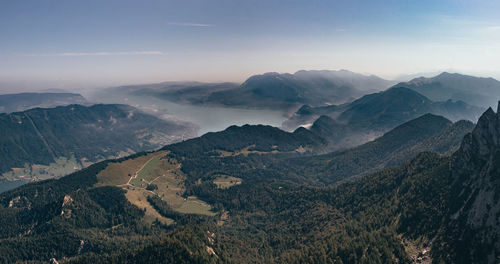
(206, 118)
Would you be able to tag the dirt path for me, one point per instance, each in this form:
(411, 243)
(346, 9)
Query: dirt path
(137, 172)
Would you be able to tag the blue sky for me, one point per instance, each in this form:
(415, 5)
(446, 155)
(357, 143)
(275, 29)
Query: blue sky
(67, 43)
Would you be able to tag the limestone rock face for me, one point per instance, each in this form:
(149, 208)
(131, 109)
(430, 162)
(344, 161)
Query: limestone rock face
(475, 208)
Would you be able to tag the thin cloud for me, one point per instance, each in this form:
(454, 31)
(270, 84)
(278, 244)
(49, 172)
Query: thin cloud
(184, 24)
(493, 28)
(103, 53)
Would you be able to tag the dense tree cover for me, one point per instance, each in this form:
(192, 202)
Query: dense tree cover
(234, 138)
(426, 133)
(357, 222)
(50, 218)
(275, 215)
(185, 245)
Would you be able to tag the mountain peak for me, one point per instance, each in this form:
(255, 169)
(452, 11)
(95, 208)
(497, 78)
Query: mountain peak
(447, 74)
(475, 169)
(485, 138)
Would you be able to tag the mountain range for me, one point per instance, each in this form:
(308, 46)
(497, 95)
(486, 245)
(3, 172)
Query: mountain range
(316, 88)
(372, 115)
(457, 87)
(268, 90)
(23, 101)
(428, 132)
(303, 87)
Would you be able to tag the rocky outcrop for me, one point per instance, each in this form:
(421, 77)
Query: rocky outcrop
(474, 225)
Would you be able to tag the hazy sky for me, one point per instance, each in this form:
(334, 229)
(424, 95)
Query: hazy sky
(66, 43)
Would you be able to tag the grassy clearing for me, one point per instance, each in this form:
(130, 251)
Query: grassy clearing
(151, 170)
(193, 205)
(138, 197)
(225, 181)
(170, 183)
(244, 151)
(155, 169)
(120, 173)
(61, 167)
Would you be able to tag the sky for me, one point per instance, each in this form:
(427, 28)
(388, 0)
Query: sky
(74, 44)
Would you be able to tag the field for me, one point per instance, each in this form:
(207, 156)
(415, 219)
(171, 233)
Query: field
(138, 197)
(224, 181)
(120, 173)
(149, 172)
(244, 151)
(247, 151)
(153, 174)
(61, 167)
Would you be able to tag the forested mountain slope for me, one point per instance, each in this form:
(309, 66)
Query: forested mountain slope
(426, 133)
(372, 115)
(48, 142)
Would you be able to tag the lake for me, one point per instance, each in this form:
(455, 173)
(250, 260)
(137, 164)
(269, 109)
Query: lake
(9, 185)
(209, 119)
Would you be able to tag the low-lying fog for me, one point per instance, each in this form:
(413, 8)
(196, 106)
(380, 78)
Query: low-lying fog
(208, 119)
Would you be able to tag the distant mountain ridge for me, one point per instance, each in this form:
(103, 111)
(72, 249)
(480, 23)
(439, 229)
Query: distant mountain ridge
(302, 87)
(22, 101)
(372, 115)
(473, 90)
(178, 92)
(269, 90)
(401, 104)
